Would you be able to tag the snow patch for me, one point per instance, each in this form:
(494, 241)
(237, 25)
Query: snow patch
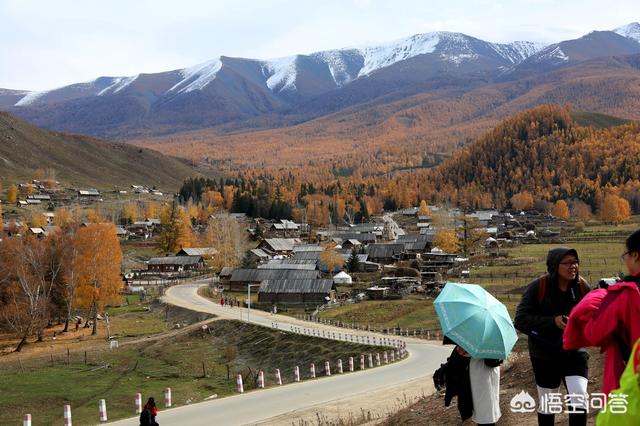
(631, 31)
(334, 59)
(118, 84)
(282, 73)
(197, 76)
(376, 57)
(31, 98)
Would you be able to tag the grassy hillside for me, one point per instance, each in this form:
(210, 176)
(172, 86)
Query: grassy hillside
(83, 161)
(599, 121)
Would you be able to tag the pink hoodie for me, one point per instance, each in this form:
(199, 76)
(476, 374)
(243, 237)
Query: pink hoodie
(596, 321)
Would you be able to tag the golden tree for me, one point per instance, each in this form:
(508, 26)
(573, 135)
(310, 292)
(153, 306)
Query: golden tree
(331, 259)
(130, 212)
(614, 209)
(522, 201)
(223, 234)
(98, 263)
(424, 209)
(176, 229)
(12, 194)
(447, 241)
(561, 210)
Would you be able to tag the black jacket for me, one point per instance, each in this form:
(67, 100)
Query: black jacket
(537, 319)
(458, 384)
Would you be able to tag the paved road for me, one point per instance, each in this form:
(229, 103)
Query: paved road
(260, 405)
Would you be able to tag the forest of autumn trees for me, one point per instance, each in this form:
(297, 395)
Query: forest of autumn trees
(532, 160)
(76, 269)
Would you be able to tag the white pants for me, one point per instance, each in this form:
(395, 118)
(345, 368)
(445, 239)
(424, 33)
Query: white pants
(576, 391)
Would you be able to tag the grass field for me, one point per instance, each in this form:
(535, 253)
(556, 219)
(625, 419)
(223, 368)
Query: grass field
(42, 389)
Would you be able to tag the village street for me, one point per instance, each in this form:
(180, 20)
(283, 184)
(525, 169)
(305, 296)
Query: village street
(377, 391)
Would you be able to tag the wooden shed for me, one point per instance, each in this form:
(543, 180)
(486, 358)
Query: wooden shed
(296, 292)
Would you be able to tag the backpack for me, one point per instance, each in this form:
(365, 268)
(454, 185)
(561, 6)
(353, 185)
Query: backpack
(542, 287)
(145, 417)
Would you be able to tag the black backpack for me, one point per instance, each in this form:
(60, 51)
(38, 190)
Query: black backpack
(145, 417)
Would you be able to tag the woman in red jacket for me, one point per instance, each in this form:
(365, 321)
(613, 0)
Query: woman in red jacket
(610, 318)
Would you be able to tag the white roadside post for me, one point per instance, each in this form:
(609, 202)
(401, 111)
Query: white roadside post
(138, 403)
(102, 410)
(167, 397)
(239, 385)
(67, 416)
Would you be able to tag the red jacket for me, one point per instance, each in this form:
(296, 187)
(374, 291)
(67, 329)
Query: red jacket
(604, 318)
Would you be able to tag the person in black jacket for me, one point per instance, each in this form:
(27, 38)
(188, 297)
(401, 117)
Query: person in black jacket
(542, 315)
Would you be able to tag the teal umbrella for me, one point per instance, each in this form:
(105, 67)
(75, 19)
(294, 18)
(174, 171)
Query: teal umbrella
(475, 320)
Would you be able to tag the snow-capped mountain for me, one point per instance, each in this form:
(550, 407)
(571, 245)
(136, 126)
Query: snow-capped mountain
(631, 31)
(227, 89)
(282, 74)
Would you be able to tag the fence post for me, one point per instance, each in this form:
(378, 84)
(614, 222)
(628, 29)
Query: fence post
(67, 416)
(278, 377)
(261, 379)
(361, 362)
(313, 371)
(340, 366)
(327, 368)
(102, 410)
(239, 383)
(378, 360)
(386, 357)
(138, 403)
(296, 374)
(351, 364)
(26, 420)
(370, 361)
(167, 397)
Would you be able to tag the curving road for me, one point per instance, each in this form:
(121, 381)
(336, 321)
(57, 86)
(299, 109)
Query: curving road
(261, 405)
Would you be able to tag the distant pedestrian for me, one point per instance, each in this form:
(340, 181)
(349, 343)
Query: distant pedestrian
(222, 301)
(542, 315)
(149, 413)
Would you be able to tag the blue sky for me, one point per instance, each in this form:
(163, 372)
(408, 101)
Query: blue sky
(46, 44)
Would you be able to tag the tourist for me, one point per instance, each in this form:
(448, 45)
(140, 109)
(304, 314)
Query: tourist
(609, 318)
(542, 315)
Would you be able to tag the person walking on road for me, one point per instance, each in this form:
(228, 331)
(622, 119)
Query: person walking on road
(149, 414)
(542, 315)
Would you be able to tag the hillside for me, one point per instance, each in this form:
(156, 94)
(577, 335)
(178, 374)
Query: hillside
(544, 151)
(83, 161)
(387, 134)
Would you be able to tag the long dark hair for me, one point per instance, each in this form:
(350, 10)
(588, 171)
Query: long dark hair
(151, 402)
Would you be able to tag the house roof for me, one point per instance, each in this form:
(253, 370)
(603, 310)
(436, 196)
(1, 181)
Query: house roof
(281, 244)
(258, 275)
(89, 192)
(384, 250)
(175, 260)
(307, 255)
(227, 271)
(364, 237)
(260, 253)
(294, 266)
(197, 251)
(307, 248)
(313, 286)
